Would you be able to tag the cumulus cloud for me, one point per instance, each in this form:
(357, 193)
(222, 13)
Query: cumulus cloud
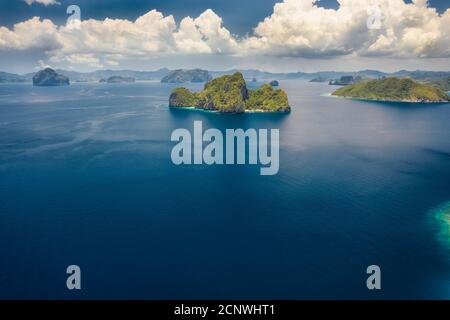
(31, 34)
(301, 28)
(296, 28)
(204, 34)
(44, 2)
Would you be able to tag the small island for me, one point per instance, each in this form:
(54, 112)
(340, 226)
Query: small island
(394, 90)
(181, 76)
(49, 78)
(229, 94)
(319, 79)
(274, 83)
(118, 79)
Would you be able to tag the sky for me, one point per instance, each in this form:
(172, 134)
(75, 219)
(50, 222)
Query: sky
(270, 35)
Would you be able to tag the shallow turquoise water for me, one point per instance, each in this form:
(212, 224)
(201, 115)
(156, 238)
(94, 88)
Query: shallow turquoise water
(86, 179)
(441, 217)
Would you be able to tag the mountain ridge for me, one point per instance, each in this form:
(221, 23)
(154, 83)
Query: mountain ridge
(437, 78)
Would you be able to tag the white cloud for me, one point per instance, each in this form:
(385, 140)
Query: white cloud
(44, 2)
(296, 28)
(301, 28)
(204, 34)
(42, 65)
(31, 34)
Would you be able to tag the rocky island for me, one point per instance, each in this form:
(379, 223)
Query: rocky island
(229, 94)
(49, 78)
(118, 79)
(393, 89)
(180, 76)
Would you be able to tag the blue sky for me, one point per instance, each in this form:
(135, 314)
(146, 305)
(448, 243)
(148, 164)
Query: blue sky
(269, 47)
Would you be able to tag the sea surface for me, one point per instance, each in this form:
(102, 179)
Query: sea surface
(86, 179)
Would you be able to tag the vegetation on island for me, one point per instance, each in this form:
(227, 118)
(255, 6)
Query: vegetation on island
(229, 94)
(441, 83)
(393, 89)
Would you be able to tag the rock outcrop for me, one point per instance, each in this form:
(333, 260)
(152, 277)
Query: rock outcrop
(50, 78)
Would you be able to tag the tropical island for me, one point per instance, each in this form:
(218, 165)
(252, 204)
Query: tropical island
(395, 90)
(229, 94)
(50, 78)
(181, 76)
(117, 79)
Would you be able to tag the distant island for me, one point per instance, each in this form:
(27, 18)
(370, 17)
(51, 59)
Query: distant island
(345, 80)
(6, 77)
(181, 76)
(118, 79)
(440, 79)
(50, 78)
(319, 79)
(393, 89)
(274, 83)
(229, 94)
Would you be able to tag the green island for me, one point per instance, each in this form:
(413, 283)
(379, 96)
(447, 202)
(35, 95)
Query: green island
(393, 89)
(230, 94)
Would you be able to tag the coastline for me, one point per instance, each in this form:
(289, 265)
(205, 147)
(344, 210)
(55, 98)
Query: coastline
(218, 112)
(391, 100)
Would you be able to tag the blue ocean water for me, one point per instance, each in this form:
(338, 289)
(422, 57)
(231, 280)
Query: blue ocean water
(86, 178)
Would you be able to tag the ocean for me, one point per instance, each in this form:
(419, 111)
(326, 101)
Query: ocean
(86, 178)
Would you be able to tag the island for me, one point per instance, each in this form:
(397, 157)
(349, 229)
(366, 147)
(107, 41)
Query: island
(50, 78)
(393, 89)
(345, 80)
(229, 94)
(6, 77)
(118, 79)
(318, 79)
(181, 76)
(274, 83)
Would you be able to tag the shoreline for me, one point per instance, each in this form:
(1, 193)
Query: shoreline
(218, 112)
(391, 100)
